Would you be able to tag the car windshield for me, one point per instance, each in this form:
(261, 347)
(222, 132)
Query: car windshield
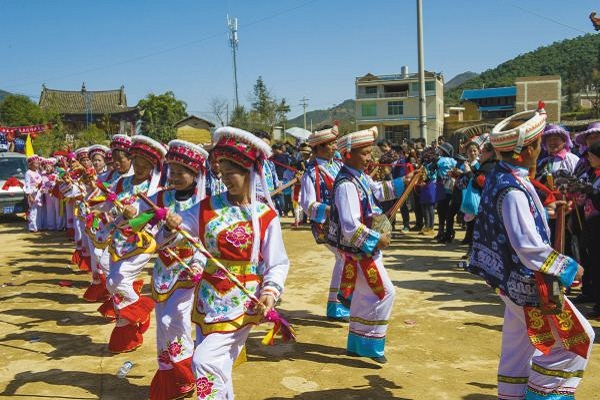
(12, 167)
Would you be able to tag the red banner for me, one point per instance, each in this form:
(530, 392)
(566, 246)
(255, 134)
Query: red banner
(25, 129)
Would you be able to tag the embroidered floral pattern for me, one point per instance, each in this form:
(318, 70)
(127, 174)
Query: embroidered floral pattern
(175, 348)
(204, 387)
(239, 236)
(164, 357)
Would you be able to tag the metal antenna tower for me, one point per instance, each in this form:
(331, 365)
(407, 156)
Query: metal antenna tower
(232, 24)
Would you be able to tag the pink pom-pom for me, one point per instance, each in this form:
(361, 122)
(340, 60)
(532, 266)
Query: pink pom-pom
(111, 197)
(197, 278)
(70, 156)
(161, 213)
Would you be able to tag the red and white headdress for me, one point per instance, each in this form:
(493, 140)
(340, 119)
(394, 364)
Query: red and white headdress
(240, 146)
(356, 140)
(191, 156)
(81, 153)
(516, 138)
(120, 142)
(323, 136)
(33, 159)
(98, 149)
(152, 151)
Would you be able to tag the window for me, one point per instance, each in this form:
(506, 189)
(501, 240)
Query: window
(395, 107)
(429, 87)
(370, 89)
(397, 134)
(369, 109)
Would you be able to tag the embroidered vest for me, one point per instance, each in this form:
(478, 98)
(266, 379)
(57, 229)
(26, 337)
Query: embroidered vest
(335, 236)
(493, 258)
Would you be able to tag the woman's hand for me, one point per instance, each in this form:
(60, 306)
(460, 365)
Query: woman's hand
(269, 302)
(129, 211)
(173, 220)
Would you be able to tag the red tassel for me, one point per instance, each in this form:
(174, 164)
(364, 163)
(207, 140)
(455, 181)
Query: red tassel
(541, 105)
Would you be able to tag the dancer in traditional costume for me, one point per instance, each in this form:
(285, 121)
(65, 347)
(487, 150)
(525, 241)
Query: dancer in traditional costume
(364, 278)
(131, 250)
(243, 234)
(51, 204)
(32, 188)
(172, 286)
(99, 226)
(544, 349)
(82, 255)
(316, 198)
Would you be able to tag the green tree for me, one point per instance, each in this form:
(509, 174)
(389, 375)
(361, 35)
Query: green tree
(18, 110)
(240, 118)
(160, 113)
(267, 111)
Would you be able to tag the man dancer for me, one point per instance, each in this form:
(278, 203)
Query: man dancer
(544, 353)
(364, 276)
(315, 199)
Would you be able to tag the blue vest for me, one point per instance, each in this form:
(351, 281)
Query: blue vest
(493, 258)
(325, 194)
(367, 205)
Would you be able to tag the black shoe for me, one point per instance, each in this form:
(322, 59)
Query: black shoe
(439, 236)
(465, 241)
(380, 359)
(416, 228)
(583, 298)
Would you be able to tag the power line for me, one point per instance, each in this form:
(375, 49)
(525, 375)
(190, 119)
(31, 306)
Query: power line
(546, 17)
(159, 52)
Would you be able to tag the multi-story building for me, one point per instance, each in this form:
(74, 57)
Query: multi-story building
(391, 102)
(532, 89)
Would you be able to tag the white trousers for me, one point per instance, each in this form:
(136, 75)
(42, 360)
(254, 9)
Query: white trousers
(51, 205)
(213, 362)
(174, 327)
(524, 367)
(121, 276)
(369, 315)
(33, 217)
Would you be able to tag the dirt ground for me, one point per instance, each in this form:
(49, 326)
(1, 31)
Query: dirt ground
(443, 340)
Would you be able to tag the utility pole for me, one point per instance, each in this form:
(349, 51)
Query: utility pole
(232, 24)
(304, 104)
(422, 96)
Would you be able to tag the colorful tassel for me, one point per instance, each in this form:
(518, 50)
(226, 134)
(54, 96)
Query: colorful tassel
(280, 326)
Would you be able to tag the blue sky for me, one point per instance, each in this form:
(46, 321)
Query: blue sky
(312, 48)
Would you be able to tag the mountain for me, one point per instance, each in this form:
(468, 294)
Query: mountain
(343, 112)
(3, 94)
(459, 80)
(572, 59)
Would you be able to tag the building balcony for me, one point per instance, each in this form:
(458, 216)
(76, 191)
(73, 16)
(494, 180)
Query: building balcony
(387, 95)
(382, 95)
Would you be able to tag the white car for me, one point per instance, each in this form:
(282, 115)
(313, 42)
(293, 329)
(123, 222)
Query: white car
(13, 199)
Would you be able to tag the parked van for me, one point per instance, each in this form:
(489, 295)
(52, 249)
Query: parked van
(12, 199)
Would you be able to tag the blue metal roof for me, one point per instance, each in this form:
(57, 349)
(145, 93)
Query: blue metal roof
(474, 94)
(496, 108)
